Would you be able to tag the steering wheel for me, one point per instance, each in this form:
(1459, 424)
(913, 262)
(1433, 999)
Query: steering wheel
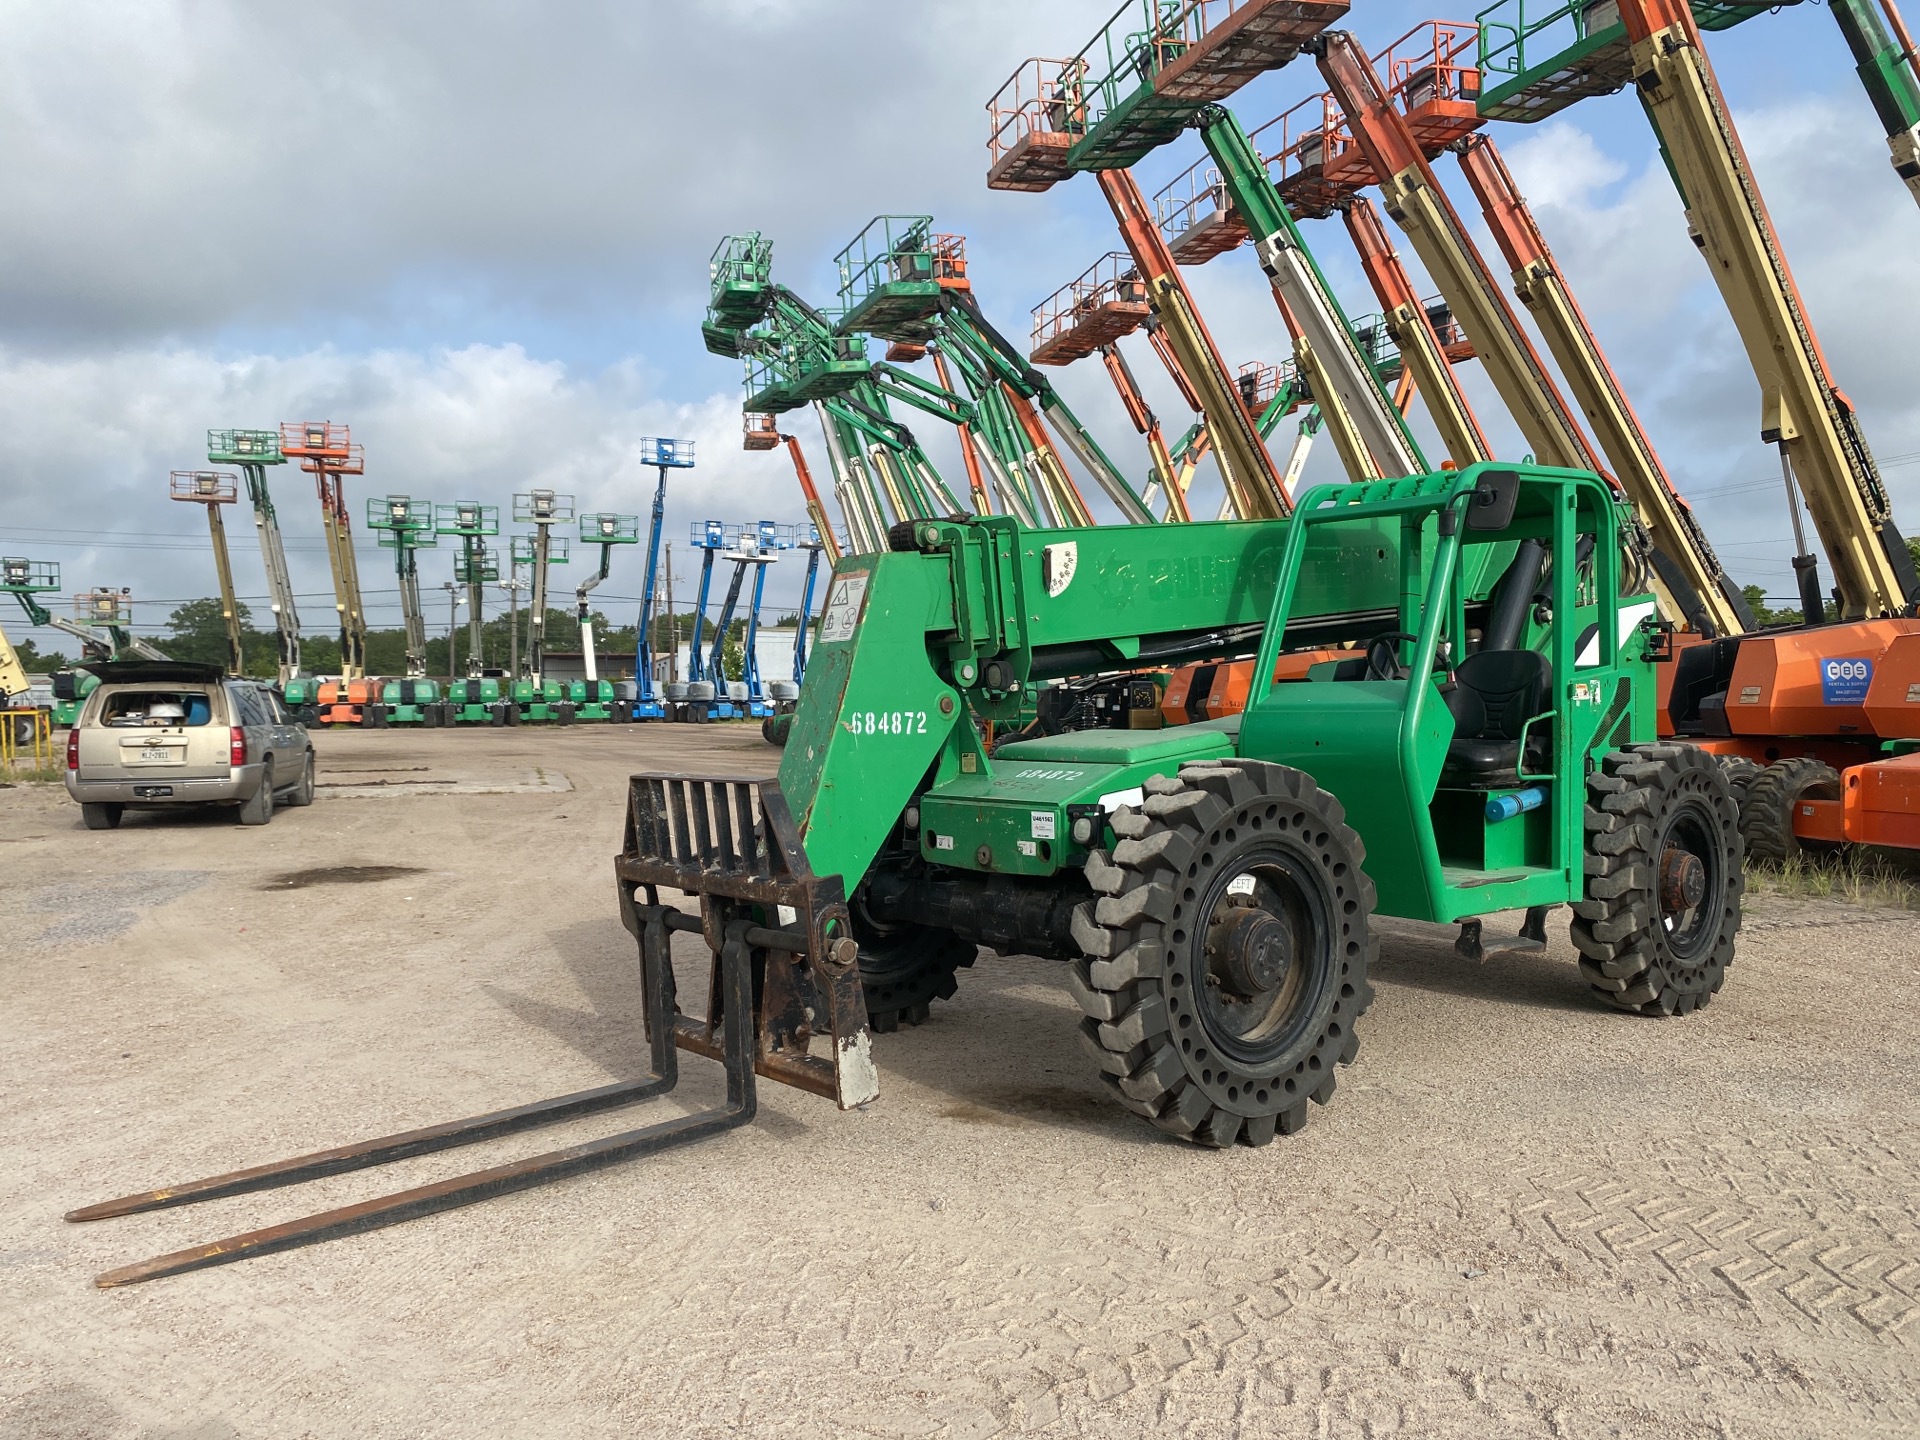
(1383, 655)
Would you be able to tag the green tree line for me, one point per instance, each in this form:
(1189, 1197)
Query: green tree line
(197, 631)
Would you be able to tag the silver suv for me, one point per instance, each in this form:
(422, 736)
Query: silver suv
(160, 733)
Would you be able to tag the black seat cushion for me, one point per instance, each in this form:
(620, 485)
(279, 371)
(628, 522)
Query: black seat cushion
(1494, 694)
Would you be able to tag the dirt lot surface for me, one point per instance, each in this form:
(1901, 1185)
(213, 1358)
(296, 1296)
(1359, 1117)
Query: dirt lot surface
(1521, 1215)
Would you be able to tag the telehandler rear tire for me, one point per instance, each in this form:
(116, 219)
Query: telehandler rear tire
(1663, 880)
(1226, 962)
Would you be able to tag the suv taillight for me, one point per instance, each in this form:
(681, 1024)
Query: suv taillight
(73, 748)
(237, 746)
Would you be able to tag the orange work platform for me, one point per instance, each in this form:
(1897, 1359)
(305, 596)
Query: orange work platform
(1430, 79)
(349, 460)
(758, 432)
(1107, 302)
(1222, 44)
(315, 439)
(1031, 124)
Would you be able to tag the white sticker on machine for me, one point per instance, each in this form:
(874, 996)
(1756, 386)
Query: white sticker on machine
(842, 614)
(1042, 824)
(1057, 564)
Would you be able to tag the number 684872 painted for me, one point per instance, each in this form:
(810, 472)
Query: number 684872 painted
(885, 722)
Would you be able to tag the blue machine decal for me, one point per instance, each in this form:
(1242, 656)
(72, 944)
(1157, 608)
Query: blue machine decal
(1845, 682)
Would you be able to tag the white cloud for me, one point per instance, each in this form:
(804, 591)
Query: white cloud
(90, 442)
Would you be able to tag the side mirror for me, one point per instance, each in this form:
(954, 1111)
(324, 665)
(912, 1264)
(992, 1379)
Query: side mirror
(1494, 497)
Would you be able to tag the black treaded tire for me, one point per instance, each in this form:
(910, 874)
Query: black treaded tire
(905, 968)
(1206, 1051)
(1766, 820)
(1654, 813)
(1741, 773)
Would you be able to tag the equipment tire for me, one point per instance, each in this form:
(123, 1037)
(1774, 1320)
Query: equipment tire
(1766, 820)
(302, 794)
(1185, 1015)
(1648, 941)
(513, 715)
(905, 968)
(565, 712)
(375, 717)
(97, 816)
(258, 810)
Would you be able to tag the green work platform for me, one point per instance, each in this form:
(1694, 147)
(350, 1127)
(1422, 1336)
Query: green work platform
(1535, 60)
(739, 273)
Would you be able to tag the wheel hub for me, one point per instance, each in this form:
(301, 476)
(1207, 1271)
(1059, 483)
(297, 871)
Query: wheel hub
(1683, 880)
(1252, 951)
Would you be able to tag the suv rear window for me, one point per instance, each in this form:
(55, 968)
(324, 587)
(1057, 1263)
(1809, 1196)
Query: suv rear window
(137, 709)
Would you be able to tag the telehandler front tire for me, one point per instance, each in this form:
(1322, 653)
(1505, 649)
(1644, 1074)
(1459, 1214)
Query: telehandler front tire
(1663, 879)
(905, 968)
(1226, 960)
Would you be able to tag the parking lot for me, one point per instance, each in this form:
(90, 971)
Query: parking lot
(1521, 1215)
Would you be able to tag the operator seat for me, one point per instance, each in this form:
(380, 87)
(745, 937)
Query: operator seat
(1495, 693)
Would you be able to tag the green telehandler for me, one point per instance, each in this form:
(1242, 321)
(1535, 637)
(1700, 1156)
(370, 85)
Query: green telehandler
(1478, 738)
(1488, 745)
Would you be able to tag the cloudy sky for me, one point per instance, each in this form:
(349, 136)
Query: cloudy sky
(477, 232)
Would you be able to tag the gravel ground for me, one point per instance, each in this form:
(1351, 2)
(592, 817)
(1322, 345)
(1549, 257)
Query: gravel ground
(1522, 1215)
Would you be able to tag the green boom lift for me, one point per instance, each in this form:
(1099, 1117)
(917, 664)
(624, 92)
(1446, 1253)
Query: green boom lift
(537, 699)
(405, 526)
(476, 700)
(593, 698)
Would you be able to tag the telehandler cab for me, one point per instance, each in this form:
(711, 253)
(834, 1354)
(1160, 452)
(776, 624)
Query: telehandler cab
(1486, 745)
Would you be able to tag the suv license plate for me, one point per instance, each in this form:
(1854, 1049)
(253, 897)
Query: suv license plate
(153, 792)
(155, 754)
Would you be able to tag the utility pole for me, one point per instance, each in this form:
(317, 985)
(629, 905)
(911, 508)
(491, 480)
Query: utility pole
(673, 628)
(513, 586)
(454, 597)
